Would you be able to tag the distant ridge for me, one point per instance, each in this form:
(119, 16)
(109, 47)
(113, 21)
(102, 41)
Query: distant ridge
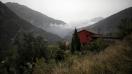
(34, 17)
(110, 24)
(11, 24)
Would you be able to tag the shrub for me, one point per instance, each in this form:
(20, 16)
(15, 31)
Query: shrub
(96, 46)
(60, 56)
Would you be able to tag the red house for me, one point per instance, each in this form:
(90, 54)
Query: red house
(85, 36)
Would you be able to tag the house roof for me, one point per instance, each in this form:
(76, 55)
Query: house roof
(86, 31)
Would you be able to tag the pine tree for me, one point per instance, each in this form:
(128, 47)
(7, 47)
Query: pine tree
(75, 44)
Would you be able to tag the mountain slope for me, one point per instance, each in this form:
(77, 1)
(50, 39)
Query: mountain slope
(11, 24)
(110, 24)
(36, 18)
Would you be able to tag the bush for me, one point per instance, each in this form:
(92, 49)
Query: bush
(52, 49)
(23, 53)
(60, 56)
(96, 46)
(41, 67)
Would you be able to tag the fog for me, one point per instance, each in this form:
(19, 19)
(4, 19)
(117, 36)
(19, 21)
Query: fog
(76, 13)
(76, 10)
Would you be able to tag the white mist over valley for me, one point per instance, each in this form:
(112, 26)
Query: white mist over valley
(61, 17)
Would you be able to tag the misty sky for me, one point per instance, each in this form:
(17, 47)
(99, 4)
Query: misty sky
(75, 10)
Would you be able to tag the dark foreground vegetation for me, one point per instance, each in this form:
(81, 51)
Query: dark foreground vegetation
(28, 54)
(115, 58)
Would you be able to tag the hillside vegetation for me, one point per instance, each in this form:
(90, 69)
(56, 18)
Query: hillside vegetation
(114, 59)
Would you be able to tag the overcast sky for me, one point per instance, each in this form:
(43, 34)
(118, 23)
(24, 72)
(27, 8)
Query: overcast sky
(75, 10)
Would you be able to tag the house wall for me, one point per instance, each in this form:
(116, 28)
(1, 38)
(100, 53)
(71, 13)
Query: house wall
(85, 37)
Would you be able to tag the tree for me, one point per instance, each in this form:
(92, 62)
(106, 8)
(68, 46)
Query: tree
(75, 44)
(29, 48)
(97, 45)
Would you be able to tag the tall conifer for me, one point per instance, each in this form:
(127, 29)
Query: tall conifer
(75, 44)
